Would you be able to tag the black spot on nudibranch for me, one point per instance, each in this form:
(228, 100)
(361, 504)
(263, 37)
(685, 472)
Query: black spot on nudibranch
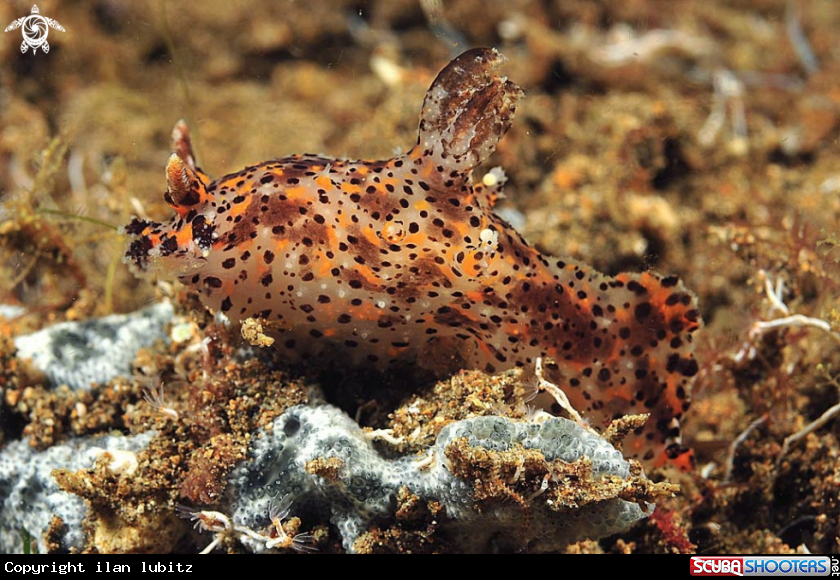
(685, 366)
(169, 246)
(642, 311)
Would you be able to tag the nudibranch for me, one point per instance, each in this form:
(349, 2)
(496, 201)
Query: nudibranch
(404, 261)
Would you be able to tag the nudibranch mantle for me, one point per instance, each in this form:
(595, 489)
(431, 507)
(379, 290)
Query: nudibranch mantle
(404, 261)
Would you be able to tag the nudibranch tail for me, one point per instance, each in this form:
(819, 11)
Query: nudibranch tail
(466, 112)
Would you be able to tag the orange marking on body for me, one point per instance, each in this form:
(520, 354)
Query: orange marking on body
(185, 236)
(371, 236)
(348, 187)
(324, 266)
(299, 192)
(239, 208)
(181, 210)
(324, 182)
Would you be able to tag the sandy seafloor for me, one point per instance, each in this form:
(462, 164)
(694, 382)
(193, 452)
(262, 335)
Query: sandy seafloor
(693, 138)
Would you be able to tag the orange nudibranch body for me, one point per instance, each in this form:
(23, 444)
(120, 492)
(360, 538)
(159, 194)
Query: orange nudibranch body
(404, 261)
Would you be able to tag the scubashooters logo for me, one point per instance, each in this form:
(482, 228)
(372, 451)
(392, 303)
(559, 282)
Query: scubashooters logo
(791, 565)
(35, 30)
